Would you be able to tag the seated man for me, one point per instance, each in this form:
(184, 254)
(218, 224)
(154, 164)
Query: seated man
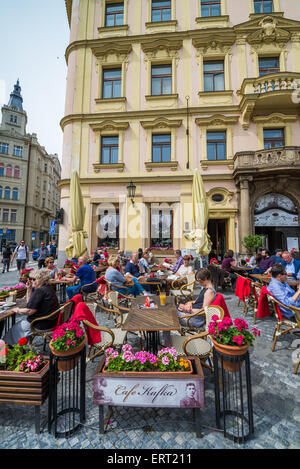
(291, 265)
(265, 264)
(86, 275)
(280, 289)
(207, 295)
(134, 269)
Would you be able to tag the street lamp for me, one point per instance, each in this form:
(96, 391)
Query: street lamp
(131, 191)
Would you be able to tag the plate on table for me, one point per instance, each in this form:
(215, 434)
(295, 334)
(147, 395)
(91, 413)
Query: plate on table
(10, 304)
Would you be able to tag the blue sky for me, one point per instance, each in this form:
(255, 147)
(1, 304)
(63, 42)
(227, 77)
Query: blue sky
(34, 35)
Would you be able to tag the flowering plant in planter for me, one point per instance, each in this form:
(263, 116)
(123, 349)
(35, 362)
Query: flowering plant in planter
(235, 334)
(25, 273)
(127, 360)
(20, 358)
(168, 261)
(67, 336)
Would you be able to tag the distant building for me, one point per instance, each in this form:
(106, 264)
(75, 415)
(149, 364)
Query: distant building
(29, 194)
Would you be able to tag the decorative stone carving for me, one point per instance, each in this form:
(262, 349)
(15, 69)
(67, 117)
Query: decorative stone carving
(269, 32)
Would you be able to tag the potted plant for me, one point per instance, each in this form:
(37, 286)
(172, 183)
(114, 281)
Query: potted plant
(231, 339)
(24, 377)
(142, 361)
(67, 340)
(252, 242)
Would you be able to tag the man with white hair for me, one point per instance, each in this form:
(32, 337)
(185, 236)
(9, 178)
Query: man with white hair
(86, 275)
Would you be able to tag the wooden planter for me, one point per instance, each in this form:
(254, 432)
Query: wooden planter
(17, 387)
(156, 389)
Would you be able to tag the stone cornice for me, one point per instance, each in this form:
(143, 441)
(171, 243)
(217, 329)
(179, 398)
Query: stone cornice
(154, 113)
(168, 44)
(112, 48)
(275, 118)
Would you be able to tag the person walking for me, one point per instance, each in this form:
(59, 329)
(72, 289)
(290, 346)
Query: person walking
(6, 257)
(52, 250)
(43, 254)
(22, 256)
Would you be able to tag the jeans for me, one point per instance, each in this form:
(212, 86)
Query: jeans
(72, 291)
(136, 290)
(6, 263)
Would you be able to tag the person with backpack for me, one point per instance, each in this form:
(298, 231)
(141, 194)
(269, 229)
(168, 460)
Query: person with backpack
(6, 252)
(22, 256)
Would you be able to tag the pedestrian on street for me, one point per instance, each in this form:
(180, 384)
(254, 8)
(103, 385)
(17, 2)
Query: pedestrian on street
(52, 249)
(43, 254)
(22, 256)
(6, 257)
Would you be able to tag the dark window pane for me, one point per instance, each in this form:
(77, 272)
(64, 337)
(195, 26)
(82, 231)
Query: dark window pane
(221, 151)
(155, 16)
(215, 10)
(156, 86)
(117, 89)
(105, 155)
(208, 83)
(213, 66)
(107, 89)
(119, 19)
(156, 154)
(116, 73)
(167, 86)
(114, 7)
(166, 153)
(161, 70)
(114, 155)
(219, 82)
(216, 135)
(110, 21)
(211, 151)
(110, 140)
(273, 133)
(166, 15)
(161, 138)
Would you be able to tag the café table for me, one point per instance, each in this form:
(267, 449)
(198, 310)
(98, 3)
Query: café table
(152, 320)
(166, 282)
(266, 280)
(61, 284)
(8, 316)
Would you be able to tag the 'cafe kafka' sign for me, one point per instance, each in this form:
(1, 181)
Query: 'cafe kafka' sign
(187, 392)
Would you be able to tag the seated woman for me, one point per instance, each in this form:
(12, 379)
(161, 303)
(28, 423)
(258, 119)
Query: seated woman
(185, 268)
(113, 275)
(50, 267)
(41, 301)
(207, 295)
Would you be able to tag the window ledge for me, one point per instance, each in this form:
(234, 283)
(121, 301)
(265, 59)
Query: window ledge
(206, 163)
(213, 19)
(99, 166)
(169, 164)
(153, 24)
(152, 97)
(123, 27)
(214, 93)
(110, 100)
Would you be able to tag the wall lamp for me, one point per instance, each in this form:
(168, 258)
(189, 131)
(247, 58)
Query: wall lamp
(131, 192)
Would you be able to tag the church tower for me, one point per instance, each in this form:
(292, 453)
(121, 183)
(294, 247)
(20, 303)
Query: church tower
(13, 115)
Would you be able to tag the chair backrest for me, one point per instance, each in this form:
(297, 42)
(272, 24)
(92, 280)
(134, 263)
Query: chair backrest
(210, 311)
(191, 278)
(66, 312)
(92, 307)
(113, 297)
(276, 307)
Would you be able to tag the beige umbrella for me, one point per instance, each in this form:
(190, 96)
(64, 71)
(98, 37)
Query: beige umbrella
(77, 246)
(200, 217)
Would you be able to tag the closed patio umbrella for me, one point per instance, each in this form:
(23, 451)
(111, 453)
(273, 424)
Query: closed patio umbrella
(77, 246)
(200, 217)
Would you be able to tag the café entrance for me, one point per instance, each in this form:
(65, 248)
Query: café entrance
(217, 230)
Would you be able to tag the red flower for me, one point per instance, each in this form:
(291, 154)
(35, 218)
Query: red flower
(22, 341)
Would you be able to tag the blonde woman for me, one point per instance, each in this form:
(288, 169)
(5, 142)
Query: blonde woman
(41, 301)
(113, 275)
(50, 267)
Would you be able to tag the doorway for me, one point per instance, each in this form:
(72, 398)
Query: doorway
(217, 230)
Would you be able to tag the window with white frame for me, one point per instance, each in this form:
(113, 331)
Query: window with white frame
(18, 150)
(4, 148)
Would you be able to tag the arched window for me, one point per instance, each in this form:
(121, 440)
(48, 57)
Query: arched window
(15, 193)
(7, 192)
(1, 169)
(9, 170)
(1, 192)
(17, 171)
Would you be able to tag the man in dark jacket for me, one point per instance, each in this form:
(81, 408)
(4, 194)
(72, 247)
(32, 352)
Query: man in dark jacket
(6, 257)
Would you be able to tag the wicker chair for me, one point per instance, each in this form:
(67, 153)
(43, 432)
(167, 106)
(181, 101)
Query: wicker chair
(65, 313)
(283, 325)
(197, 344)
(109, 338)
(185, 292)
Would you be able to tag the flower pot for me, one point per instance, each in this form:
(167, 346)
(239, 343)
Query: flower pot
(67, 365)
(104, 370)
(231, 351)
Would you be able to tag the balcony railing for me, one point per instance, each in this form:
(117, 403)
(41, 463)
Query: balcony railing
(280, 81)
(267, 159)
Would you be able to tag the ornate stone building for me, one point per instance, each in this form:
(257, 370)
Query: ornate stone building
(29, 176)
(156, 89)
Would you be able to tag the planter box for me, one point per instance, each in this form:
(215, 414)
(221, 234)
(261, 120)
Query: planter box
(150, 389)
(17, 387)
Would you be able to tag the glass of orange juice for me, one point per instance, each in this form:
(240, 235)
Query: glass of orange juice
(162, 298)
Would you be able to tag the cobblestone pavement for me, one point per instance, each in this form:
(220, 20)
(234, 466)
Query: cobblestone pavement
(276, 400)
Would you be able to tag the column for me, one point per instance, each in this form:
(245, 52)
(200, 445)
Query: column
(244, 221)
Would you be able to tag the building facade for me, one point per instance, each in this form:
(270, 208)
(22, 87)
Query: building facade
(29, 176)
(158, 88)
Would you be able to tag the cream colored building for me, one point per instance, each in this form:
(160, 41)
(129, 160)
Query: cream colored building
(29, 176)
(157, 89)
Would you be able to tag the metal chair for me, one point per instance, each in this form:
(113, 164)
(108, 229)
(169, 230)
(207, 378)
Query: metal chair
(284, 326)
(109, 338)
(64, 312)
(197, 344)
